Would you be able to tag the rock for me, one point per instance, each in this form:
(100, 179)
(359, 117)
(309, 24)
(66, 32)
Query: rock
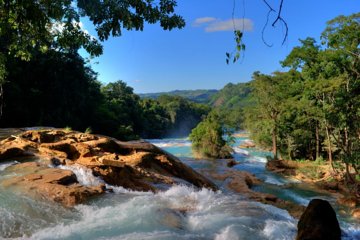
(242, 182)
(247, 144)
(231, 163)
(330, 186)
(351, 202)
(134, 165)
(319, 222)
(42, 182)
(356, 213)
(281, 166)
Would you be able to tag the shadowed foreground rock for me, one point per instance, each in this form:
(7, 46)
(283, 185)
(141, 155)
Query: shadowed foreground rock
(135, 165)
(318, 222)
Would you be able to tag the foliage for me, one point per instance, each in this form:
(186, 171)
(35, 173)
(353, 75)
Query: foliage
(230, 102)
(155, 120)
(120, 112)
(30, 27)
(88, 130)
(184, 115)
(57, 89)
(239, 48)
(44, 24)
(313, 110)
(54, 89)
(208, 138)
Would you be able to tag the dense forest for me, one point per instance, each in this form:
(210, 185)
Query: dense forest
(67, 94)
(312, 111)
(45, 82)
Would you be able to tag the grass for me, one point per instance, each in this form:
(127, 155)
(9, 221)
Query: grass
(67, 129)
(88, 130)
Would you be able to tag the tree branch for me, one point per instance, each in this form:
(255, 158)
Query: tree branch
(278, 18)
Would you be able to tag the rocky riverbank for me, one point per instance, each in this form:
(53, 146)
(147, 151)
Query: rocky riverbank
(138, 166)
(320, 177)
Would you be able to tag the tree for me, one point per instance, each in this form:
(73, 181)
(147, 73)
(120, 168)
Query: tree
(342, 35)
(29, 26)
(208, 138)
(269, 93)
(314, 108)
(184, 115)
(155, 119)
(53, 89)
(122, 110)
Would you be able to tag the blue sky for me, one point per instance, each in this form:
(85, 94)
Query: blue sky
(194, 57)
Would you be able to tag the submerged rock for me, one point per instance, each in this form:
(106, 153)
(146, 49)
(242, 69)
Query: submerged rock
(136, 165)
(319, 222)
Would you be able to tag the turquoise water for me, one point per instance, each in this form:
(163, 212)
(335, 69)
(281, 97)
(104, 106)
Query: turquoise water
(180, 212)
(253, 160)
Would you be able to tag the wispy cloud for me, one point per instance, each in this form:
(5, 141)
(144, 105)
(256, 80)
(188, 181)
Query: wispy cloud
(211, 24)
(200, 21)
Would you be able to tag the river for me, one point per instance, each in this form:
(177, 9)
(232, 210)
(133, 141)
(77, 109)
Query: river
(179, 212)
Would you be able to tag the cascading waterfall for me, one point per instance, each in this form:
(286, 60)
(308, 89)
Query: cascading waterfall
(180, 212)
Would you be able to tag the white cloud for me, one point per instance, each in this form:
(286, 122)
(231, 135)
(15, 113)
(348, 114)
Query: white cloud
(211, 24)
(200, 21)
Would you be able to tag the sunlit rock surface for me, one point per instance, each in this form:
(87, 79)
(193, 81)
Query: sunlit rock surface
(136, 165)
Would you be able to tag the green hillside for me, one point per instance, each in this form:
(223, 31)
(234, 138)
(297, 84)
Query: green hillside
(199, 96)
(233, 96)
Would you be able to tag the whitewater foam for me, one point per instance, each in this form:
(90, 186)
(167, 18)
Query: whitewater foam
(166, 143)
(86, 177)
(241, 151)
(5, 165)
(273, 180)
(227, 233)
(279, 230)
(195, 213)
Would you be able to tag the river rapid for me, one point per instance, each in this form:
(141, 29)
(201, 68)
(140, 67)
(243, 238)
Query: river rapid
(179, 212)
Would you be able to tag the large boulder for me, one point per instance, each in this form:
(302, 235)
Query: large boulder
(318, 222)
(137, 165)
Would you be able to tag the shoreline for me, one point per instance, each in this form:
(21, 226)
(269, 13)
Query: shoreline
(320, 177)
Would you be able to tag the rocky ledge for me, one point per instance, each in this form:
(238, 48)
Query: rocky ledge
(242, 182)
(321, 178)
(136, 165)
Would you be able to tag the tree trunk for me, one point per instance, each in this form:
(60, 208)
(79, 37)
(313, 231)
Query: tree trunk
(1, 99)
(274, 141)
(347, 153)
(317, 141)
(329, 148)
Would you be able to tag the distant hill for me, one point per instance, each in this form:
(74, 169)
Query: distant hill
(199, 96)
(230, 102)
(233, 96)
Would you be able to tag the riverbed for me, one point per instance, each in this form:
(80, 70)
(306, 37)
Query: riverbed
(178, 212)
